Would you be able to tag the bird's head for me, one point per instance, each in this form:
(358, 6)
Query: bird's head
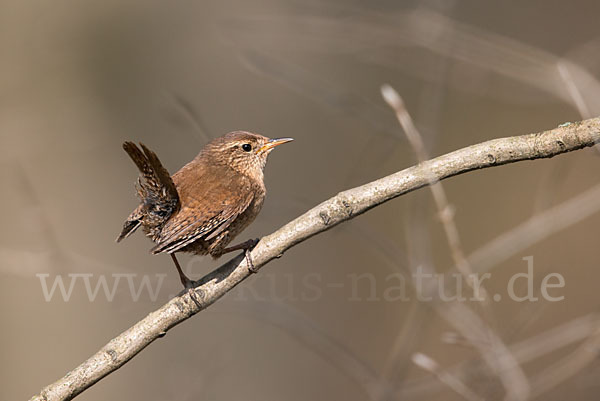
(243, 151)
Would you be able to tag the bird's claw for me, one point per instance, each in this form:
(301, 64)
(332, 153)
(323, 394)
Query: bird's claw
(247, 253)
(251, 267)
(194, 296)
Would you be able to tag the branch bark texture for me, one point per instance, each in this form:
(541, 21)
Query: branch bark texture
(342, 207)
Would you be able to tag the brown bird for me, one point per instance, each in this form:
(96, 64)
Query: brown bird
(207, 203)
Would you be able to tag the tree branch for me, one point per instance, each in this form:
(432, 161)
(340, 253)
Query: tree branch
(340, 208)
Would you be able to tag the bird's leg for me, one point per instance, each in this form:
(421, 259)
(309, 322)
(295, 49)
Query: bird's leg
(187, 283)
(247, 246)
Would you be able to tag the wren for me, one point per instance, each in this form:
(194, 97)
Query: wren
(207, 203)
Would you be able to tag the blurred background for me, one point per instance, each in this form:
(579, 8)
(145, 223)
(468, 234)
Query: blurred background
(323, 322)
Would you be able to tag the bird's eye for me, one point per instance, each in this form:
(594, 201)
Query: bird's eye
(247, 147)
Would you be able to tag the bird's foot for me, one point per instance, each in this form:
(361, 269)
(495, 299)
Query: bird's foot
(188, 284)
(194, 296)
(247, 246)
(247, 253)
(248, 256)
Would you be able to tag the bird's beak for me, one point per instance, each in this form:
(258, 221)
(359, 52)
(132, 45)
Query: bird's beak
(272, 143)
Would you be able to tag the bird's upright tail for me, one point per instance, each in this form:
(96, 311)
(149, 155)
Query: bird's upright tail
(155, 188)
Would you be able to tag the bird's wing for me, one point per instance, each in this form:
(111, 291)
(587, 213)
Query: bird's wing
(204, 218)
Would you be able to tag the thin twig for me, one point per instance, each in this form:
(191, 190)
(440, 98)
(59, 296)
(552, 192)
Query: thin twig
(427, 363)
(445, 209)
(535, 229)
(568, 366)
(578, 100)
(525, 351)
(340, 208)
(494, 352)
(501, 361)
